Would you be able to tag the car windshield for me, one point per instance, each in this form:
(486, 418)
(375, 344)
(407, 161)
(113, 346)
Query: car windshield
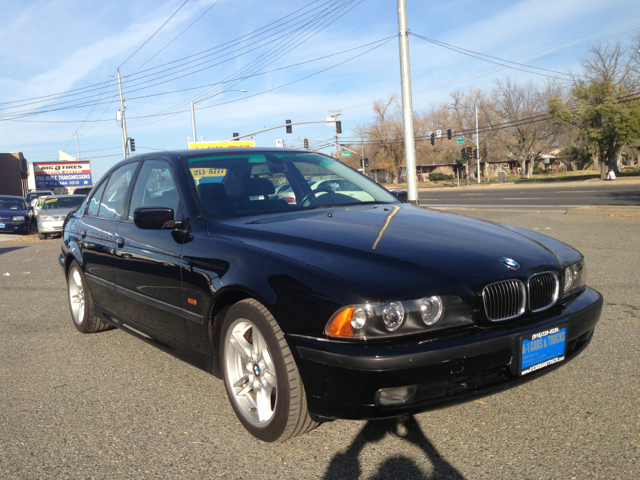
(32, 195)
(235, 184)
(12, 204)
(56, 203)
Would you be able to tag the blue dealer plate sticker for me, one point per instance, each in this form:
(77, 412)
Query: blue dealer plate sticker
(1, 225)
(542, 349)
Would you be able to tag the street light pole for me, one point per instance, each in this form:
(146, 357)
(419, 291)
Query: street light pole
(193, 121)
(478, 144)
(193, 112)
(407, 105)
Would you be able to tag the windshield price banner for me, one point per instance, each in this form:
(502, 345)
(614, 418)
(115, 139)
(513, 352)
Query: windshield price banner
(62, 175)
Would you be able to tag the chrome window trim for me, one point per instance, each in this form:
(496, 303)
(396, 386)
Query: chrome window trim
(522, 308)
(556, 294)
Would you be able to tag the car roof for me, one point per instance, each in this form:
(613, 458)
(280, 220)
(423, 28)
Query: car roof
(11, 197)
(200, 151)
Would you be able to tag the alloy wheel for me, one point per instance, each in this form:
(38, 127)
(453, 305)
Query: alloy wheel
(251, 372)
(76, 296)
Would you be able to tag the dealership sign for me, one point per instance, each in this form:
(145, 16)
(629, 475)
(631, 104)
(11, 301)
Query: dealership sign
(62, 177)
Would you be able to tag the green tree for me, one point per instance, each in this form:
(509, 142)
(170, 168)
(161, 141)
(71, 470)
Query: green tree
(606, 115)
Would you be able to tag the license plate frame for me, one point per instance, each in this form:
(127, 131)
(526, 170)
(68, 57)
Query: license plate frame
(542, 348)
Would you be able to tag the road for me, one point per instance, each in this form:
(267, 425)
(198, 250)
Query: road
(549, 196)
(107, 406)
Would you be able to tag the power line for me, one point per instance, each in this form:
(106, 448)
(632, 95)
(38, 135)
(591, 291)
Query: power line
(153, 35)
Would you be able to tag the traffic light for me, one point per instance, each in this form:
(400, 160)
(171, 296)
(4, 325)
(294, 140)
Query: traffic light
(338, 126)
(469, 152)
(475, 154)
(433, 138)
(366, 162)
(449, 134)
(132, 142)
(463, 152)
(306, 143)
(236, 134)
(289, 129)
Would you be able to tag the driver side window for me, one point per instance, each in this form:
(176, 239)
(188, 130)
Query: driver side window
(155, 187)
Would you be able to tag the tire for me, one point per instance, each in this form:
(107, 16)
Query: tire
(261, 377)
(42, 236)
(80, 303)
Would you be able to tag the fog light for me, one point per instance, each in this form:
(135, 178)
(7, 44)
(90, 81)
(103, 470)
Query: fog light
(390, 397)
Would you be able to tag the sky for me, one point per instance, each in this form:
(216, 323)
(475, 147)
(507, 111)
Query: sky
(298, 60)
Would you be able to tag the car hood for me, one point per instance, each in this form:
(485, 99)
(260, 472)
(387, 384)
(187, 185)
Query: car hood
(400, 251)
(57, 212)
(13, 213)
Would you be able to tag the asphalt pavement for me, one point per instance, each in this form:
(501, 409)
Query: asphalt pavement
(107, 406)
(559, 195)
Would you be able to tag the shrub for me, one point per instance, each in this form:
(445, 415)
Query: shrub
(539, 171)
(436, 177)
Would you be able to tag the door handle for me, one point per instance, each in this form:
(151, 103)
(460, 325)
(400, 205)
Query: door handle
(120, 242)
(83, 234)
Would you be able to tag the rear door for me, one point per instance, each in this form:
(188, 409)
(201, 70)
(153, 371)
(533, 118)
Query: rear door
(97, 232)
(147, 262)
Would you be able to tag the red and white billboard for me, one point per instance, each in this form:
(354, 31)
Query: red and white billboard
(62, 177)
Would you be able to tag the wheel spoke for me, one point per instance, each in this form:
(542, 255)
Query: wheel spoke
(77, 279)
(259, 345)
(75, 298)
(264, 404)
(271, 379)
(241, 345)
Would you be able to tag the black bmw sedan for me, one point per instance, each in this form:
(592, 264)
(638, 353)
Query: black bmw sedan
(338, 301)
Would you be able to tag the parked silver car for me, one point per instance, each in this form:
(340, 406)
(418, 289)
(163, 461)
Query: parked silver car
(54, 211)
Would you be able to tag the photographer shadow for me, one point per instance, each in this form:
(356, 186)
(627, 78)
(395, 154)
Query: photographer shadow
(346, 465)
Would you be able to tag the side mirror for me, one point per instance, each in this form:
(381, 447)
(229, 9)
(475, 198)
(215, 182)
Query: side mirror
(152, 218)
(401, 195)
(30, 208)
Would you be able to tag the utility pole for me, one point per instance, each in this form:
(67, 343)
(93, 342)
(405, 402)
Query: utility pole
(478, 144)
(336, 114)
(78, 144)
(407, 105)
(125, 145)
(193, 121)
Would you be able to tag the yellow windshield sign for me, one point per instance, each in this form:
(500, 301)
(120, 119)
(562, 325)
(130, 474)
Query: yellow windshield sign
(222, 144)
(208, 172)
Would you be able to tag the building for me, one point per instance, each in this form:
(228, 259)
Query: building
(14, 174)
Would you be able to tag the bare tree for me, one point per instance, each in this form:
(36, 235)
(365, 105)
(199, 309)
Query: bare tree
(525, 131)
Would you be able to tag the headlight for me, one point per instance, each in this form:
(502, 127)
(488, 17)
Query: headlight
(575, 277)
(46, 218)
(17, 219)
(393, 319)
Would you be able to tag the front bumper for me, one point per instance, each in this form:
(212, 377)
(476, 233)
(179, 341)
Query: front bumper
(51, 226)
(6, 226)
(341, 379)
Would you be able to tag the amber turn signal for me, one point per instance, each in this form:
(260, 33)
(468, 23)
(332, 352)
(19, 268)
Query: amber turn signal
(340, 325)
(192, 301)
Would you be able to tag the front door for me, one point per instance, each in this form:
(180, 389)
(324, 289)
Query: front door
(147, 262)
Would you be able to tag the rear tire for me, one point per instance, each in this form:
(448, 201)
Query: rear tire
(80, 302)
(261, 377)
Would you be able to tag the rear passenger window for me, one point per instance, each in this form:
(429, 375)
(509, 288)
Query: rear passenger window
(94, 203)
(155, 187)
(116, 191)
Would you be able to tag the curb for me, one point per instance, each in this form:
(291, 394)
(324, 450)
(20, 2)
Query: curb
(606, 211)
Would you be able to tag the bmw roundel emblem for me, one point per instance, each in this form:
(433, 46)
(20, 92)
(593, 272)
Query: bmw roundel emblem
(510, 263)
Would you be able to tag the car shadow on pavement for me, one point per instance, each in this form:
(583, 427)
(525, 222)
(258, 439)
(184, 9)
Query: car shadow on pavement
(9, 249)
(345, 465)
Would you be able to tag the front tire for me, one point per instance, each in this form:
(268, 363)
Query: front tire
(260, 374)
(80, 302)
(42, 236)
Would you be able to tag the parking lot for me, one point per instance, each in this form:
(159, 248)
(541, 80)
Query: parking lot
(108, 406)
